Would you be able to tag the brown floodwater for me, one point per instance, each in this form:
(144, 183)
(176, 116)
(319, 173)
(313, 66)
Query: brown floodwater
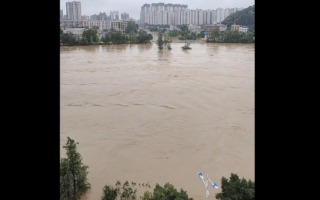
(145, 115)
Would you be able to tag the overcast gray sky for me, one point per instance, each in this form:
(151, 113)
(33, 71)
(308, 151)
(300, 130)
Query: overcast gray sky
(133, 7)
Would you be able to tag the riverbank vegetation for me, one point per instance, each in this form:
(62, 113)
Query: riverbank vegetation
(235, 188)
(229, 36)
(74, 184)
(142, 37)
(90, 37)
(191, 36)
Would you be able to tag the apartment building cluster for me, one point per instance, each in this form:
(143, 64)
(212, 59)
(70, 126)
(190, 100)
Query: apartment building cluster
(74, 19)
(177, 14)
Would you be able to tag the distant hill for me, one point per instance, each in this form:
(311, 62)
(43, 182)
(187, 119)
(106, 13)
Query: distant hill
(243, 17)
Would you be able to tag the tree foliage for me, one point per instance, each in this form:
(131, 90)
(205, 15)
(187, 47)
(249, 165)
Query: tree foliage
(168, 192)
(243, 17)
(68, 39)
(91, 35)
(164, 40)
(125, 192)
(119, 38)
(236, 189)
(73, 174)
(160, 42)
(229, 36)
(191, 36)
(109, 193)
(174, 33)
(184, 28)
(147, 196)
(84, 41)
(132, 27)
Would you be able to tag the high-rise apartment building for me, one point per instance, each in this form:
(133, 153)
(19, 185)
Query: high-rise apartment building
(201, 17)
(160, 13)
(213, 17)
(61, 14)
(177, 14)
(73, 10)
(218, 15)
(114, 15)
(223, 16)
(124, 15)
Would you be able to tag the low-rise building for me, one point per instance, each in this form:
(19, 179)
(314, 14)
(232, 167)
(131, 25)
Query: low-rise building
(210, 28)
(194, 28)
(121, 25)
(101, 24)
(74, 31)
(173, 27)
(235, 27)
(243, 29)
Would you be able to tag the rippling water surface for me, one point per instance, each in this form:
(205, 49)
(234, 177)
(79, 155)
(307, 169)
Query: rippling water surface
(145, 115)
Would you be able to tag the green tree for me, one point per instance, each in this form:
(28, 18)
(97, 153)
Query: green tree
(163, 40)
(168, 192)
(167, 41)
(84, 41)
(131, 26)
(174, 33)
(68, 39)
(109, 193)
(143, 37)
(147, 196)
(78, 40)
(184, 28)
(160, 42)
(73, 174)
(91, 35)
(90, 40)
(236, 189)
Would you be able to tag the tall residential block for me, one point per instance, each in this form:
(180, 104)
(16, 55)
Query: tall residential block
(73, 10)
(61, 14)
(114, 15)
(124, 15)
(177, 14)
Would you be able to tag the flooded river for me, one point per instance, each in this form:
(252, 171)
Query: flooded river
(145, 115)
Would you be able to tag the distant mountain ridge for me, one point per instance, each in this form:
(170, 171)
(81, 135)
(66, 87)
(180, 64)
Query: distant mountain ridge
(243, 17)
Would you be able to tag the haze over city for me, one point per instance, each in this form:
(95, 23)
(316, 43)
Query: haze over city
(133, 8)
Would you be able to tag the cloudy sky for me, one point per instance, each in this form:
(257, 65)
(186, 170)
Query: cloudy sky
(133, 7)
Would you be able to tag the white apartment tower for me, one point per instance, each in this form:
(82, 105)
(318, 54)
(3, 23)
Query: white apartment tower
(177, 14)
(214, 17)
(222, 15)
(218, 15)
(208, 17)
(124, 15)
(73, 10)
(201, 18)
(114, 15)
